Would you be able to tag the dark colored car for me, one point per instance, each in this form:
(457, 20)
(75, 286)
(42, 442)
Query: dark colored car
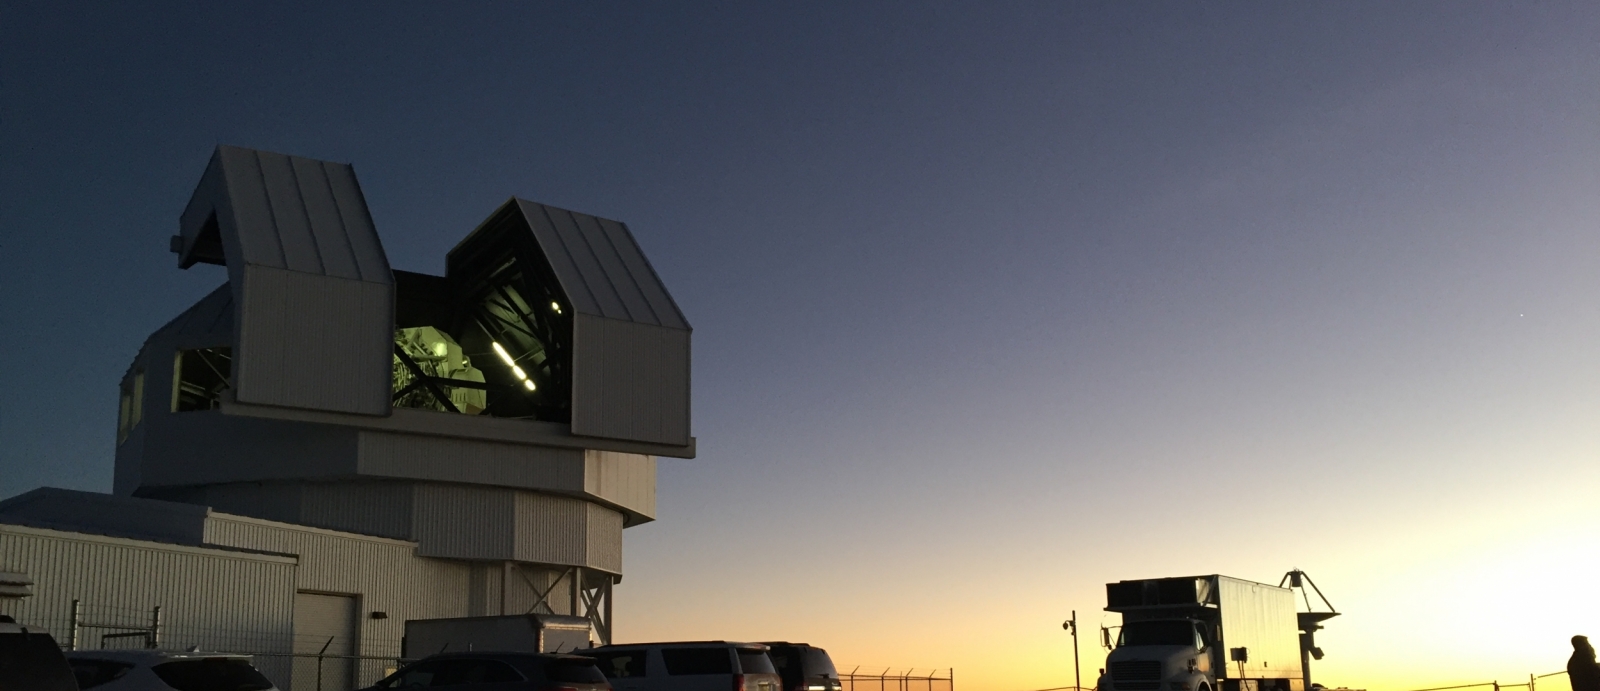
(31, 661)
(804, 667)
(488, 671)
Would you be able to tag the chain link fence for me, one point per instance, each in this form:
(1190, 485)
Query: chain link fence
(859, 679)
(1532, 684)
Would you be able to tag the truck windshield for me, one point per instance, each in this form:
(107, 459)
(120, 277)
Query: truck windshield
(1157, 633)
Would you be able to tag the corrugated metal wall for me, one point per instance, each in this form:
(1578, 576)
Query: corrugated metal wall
(212, 598)
(604, 539)
(630, 381)
(551, 529)
(387, 574)
(463, 522)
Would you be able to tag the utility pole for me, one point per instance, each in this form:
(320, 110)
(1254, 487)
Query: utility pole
(1072, 625)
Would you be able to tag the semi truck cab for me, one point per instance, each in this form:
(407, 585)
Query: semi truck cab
(1163, 655)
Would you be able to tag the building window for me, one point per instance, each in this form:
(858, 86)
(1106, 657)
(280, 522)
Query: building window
(130, 411)
(199, 377)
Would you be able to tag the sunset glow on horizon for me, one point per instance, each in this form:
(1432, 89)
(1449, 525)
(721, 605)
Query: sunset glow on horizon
(993, 304)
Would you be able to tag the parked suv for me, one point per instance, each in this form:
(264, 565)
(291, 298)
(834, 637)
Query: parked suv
(30, 660)
(157, 670)
(692, 666)
(498, 672)
(804, 667)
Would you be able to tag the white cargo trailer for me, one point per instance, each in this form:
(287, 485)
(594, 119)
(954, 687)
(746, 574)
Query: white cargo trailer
(1203, 633)
(521, 633)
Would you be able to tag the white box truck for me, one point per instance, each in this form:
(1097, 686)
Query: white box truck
(517, 633)
(1203, 633)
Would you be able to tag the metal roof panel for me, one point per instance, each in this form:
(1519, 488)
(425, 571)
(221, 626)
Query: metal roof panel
(590, 273)
(289, 213)
(359, 230)
(328, 230)
(601, 267)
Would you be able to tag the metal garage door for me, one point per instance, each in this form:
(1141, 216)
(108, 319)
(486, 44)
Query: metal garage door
(324, 637)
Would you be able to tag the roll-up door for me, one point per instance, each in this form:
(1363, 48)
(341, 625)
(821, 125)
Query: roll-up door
(324, 642)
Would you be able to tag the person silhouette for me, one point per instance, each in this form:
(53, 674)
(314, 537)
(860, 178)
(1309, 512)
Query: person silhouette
(1582, 670)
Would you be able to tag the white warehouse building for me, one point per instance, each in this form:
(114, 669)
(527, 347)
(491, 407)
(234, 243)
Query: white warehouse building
(324, 448)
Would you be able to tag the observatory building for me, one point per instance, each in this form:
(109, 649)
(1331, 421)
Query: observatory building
(324, 447)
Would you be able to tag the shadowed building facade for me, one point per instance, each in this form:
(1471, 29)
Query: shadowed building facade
(417, 446)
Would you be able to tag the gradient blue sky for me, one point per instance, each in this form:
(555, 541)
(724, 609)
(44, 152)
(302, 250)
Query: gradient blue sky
(994, 303)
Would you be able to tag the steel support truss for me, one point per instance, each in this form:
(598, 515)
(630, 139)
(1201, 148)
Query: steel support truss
(587, 593)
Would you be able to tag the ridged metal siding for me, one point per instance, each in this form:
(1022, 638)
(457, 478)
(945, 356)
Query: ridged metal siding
(604, 539)
(551, 529)
(313, 289)
(387, 574)
(630, 381)
(463, 460)
(481, 523)
(216, 599)
(465, 522)
(625, 479)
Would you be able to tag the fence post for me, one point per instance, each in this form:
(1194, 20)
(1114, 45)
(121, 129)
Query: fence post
(72, 633)
(153, 641)
(325, 649)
